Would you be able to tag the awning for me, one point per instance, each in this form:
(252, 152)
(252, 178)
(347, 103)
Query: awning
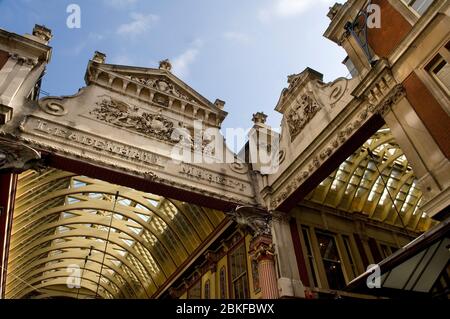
(420, 269)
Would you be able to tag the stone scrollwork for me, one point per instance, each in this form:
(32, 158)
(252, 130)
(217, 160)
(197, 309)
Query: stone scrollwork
(334, 90)
(52, 107)
(123, 115)
(300, 115)
(257, 220)
(239, 167)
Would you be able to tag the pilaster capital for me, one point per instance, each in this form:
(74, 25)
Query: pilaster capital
(280, 217)
(392, 98)
(262, 248)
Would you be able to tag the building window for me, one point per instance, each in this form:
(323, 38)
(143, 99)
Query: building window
(310, 256)
(418, 6)
(348, 249)
(195, 292)
(255, 275)
(238, 272)
(207, 291)
(331, 260)
(439, 68)
(222, 283)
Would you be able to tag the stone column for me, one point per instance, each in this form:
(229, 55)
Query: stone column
(262, 250)
(289, 283)
(430, 165)
(258, 221)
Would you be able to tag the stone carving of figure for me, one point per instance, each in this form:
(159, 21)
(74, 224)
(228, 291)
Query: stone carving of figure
(258, 220)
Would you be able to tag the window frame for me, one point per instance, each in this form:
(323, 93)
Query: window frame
(442, 55)
(409, 4)
(351, 256)
(318, 231)
(309, 256)
(231, 281)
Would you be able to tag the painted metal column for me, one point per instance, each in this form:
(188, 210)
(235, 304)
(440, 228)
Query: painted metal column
(261, 249)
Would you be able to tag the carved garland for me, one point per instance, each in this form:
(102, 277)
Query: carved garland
(397, 93)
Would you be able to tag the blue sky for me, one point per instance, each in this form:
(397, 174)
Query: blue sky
(238, 51)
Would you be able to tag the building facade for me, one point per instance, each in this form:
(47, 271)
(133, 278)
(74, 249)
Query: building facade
(119, 192)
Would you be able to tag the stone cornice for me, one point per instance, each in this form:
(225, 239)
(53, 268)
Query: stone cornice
(24, 46)
(347, 13)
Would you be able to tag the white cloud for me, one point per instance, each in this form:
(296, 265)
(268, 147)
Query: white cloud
(181, 64)
(236, 36)
(289, 8)
(119, 3)
(140, 23)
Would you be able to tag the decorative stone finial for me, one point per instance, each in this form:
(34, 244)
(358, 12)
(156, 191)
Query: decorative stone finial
(259, 118)
(99, 57)
(42, 32)
(165, 65)
(220, 104)
(334, 10)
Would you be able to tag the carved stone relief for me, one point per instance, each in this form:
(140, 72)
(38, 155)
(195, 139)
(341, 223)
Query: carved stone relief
(16, 157)
(298, 117)
(123, 115)
(257, 220)
(162, 85)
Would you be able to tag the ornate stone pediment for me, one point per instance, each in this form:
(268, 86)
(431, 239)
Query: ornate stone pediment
(158, 87)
